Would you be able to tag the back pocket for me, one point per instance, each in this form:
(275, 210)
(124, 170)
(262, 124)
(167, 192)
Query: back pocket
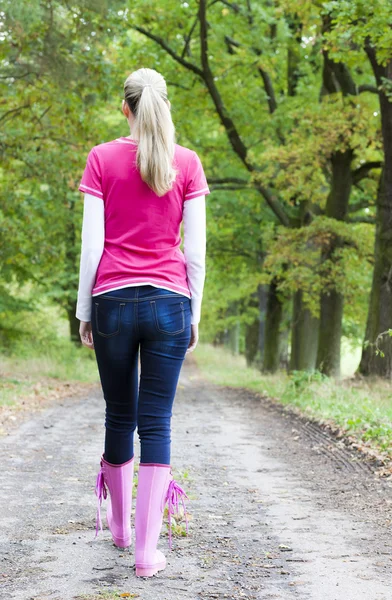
(108, 317)
(169, 315)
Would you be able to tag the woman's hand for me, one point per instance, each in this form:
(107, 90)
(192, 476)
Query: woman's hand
(194, 338)
(86, 334)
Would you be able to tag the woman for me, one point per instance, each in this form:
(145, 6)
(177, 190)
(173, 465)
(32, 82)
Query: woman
(138, 291)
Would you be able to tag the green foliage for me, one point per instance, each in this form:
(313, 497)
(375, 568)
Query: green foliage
(62, 70)
(301, 379)
(34, 341)
(357, 22)
(300, 169)
(294, 262)
(376, 345)
(53, 64)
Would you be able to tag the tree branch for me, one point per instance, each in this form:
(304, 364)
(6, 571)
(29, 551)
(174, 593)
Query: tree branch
(22, 76)
(207, 77)
(336, 75)
(269, 90)
(274, 204)
(238, 180)
(230, 188)
(378, 70)
(14, 110)
(169, 50)
(188, 39)
(358, 206)
(58, 139)
(371, 220)
(234, 7)
(234, 137)
(364, 170)
(367, 88)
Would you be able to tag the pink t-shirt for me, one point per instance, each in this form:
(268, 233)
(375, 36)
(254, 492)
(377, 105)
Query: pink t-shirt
(142, 230)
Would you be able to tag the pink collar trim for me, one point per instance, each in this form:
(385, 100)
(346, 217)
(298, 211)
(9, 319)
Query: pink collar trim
(126, 140)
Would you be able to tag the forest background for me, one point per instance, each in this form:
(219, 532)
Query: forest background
(289, 106)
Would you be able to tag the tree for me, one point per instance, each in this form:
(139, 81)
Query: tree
(365, 27)
(49, 115)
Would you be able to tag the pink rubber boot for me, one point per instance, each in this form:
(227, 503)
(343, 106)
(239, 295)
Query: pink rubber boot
(119, 480)
(156, 486)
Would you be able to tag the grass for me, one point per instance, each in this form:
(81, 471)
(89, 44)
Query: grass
(362, 408)
(61, 360)
(37, 357)
(41, 370)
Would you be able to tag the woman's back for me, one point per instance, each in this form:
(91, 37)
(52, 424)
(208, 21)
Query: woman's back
(142, 229)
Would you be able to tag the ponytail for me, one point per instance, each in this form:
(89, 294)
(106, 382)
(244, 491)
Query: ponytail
(146, 95)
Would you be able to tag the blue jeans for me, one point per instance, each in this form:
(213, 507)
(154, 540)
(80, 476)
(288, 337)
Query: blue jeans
(158, 321)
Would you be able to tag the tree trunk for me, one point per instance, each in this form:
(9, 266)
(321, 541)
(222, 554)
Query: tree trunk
(271, 357)
(262, 291)
(252, 333)
(336, 78)
(380, 307)
(331, 302)
(284, 339)
(232, 333)
(304, 326)
(220, 336)
(71, 267)
(73, 323)
(330, 333)
(219, 339)
(234, 338)
(263, 337)
(304, 336)
(251, 341)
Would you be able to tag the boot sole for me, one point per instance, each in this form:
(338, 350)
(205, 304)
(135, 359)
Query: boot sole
(122, 543)
(150, 571)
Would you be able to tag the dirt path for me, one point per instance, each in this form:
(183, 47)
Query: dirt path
(279, 510)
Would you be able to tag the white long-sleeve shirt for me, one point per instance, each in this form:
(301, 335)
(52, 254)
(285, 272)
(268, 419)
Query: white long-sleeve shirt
(93, 240)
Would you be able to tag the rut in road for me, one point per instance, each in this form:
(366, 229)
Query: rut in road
(278, 508)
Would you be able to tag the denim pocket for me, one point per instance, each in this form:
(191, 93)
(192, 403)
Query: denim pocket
(169, 315)
(108, 317)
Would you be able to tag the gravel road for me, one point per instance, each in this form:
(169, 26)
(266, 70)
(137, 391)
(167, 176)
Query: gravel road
(278, 508)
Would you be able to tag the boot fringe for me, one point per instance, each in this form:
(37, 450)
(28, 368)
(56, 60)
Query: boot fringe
(175, 493)
(101, 492)
(103, 489)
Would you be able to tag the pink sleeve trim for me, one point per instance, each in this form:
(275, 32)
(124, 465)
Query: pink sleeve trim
(202, 192)
(89, 190)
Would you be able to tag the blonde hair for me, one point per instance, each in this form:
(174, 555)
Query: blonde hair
(145, 93)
